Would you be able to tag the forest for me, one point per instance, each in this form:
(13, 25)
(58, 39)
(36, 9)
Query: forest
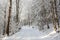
(42, 15)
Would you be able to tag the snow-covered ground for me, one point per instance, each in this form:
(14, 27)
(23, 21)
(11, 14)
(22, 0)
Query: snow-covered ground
(29, 33)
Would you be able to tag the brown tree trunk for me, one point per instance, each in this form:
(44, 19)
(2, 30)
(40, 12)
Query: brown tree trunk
(9, 16)
(54, 14)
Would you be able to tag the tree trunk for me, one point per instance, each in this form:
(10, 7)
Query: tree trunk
(4, 21)
(9, 16)
(17, 11)
(54, 16)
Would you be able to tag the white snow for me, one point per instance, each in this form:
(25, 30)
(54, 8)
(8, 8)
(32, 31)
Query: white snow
(29, 33)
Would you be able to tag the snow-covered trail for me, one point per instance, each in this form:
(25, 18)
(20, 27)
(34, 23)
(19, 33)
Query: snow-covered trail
(29, 33)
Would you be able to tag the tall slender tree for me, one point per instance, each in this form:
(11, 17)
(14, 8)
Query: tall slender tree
(54, 14)
(44, 13)
(17, 11)
(9, 16)
(4, 20)
(4, 11)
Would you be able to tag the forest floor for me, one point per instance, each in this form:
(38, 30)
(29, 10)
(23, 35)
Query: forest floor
(29, 33)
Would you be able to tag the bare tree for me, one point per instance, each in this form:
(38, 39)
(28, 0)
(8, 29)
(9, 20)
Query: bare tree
(4, 20)
(4, 11)
(54, 14)
(9, 16)
(44, 14)
(17, 11)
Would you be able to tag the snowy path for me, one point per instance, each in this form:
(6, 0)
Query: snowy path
(28, 33)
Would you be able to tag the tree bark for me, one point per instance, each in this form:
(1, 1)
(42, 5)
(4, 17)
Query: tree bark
(54, 14)
(17, 11)
(9, 16)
